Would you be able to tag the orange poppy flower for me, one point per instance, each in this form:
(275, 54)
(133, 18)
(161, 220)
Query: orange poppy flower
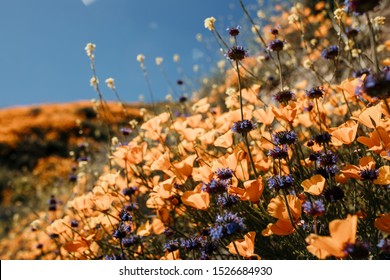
(225, 140)
(250, 94)
(314, 185)
(171, 255)
(370, 117)
(191, 134)
(83, 204)
(162, 163)
(197, 198)
(383, 223)
(253, 189)
(208, 137)
(153, 126)
(165, 188)
(144, 229)
(287, 113)
(202, 173)
(202, 106)
(353, 171)
(155, 201)
(101, 200)
(349, 87)
(60, 226)
(79, 245)
(245, 247)
(345, 133)
(236, 161)
(129, 154)
(194, 121)
(281, 227)
(264, 116)
(378, 141)
(342, 232)
(277, 209)
(157, 226)
(183, 169)
(383, 176)
(385, 154)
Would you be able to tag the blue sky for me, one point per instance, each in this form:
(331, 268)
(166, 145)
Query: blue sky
(42, 56)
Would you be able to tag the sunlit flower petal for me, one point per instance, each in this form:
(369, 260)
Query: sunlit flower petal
(314, 185)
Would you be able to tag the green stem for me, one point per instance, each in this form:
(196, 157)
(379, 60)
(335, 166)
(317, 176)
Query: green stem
(250, 155)
(372, 41)
(291, 217)
(240, 90)
(280, 72)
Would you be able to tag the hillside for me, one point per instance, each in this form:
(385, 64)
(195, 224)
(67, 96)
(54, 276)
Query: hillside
(35, 147)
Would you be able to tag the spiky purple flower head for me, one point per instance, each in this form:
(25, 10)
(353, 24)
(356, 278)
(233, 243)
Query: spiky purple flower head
(330, 53)
(236, 53)
(276, 45)
(243, 127)
(234, 31)
(361, 6)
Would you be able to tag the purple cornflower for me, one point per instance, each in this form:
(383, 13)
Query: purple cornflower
(125, 216)
(74, 223)
(327, 171)
(227, 224)
(216, 186)
(328, 158)
(309, 107)
(333, 194)
(121, 231)
(172, 245)
(352, 32)
(276, 45)
(131, 206)
(52, 203)
(284, 96)
(182, 99)
(131, 240)
(207, 250)
(125, 131)
(274, 31)
(369, 174)
(243, 127)
(227, 201)
(360, 72)
(168, 232)
(113, 257)
(323, 138)
(192, 243)
(129, 191)
(236, 53)
(361, 6)
(330, 53)
(279, 182)
(216, 232)
(234, 31)
(316, 208)
(377, 85)
(327, 164)
(285, 137)
(224, 173)
(384, 246)
(279, 152)
(72, 178)
(315, 92)
(358, 251)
